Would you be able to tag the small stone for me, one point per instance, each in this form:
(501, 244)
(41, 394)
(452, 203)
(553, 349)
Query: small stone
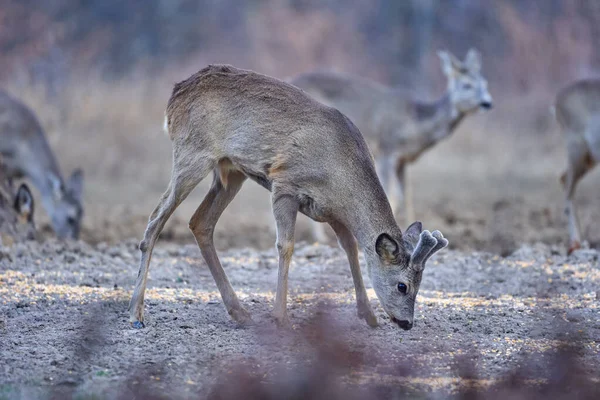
(574, 316)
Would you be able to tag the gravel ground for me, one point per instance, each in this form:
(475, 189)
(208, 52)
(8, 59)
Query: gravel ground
(64, 323)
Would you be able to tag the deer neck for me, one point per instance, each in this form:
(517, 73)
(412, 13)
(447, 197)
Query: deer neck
(440, 117)
(369, 216)
(367, 230)
(455, 116)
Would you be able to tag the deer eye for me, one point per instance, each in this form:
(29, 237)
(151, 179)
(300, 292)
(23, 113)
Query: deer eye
(71, 221)
(402, 288)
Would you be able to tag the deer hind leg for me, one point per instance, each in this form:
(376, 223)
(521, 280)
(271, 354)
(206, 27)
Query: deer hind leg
(185, 176)
(579, 162)
(285, 210)
(348, 242)
(203, 224)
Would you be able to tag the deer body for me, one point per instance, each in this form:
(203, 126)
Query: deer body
(239, 124)
(26, 154)
(577, 109)
(397, 127)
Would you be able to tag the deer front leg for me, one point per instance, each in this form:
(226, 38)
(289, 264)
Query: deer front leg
(403, 191)
(580, 161)
(348, 243)
(285, 210)
(569, 179)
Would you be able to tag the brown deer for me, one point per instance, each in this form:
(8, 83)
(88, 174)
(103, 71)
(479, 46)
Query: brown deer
(16, 212)
(399, 128)
(26, 154)
(240, 124)
(577, 110)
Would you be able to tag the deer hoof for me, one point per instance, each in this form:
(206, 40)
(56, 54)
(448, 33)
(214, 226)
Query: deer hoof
(282, 320)
(137, 325)
(369, 318)
(574, 246)
(241, 316)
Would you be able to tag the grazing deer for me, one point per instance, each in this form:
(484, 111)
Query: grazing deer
(397, 127)
(26, 154)
(16, 212)
(240, 124)
(577, 110)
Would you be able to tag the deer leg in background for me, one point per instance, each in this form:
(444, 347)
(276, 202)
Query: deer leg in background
(579, 163)
(285, 210)
(384, 168)
(318, 232)
(403, 192)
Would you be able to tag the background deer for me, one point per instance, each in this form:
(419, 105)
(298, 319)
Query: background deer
(26, 154)
(398, 127)
(16, 212)
(239, 124)
(577, 110)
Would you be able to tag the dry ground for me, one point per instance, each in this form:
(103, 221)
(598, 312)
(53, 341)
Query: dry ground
(64, 323)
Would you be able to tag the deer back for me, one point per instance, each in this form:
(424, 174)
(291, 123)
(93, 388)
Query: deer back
(278, 136)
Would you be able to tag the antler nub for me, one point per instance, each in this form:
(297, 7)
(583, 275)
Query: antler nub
(429, 243)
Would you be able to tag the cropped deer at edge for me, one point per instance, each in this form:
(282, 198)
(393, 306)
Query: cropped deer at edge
(398, 128)
(238, 124)
(577, 110)
(25, 153)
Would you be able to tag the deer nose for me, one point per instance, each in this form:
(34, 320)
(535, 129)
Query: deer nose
(486, 104)
(404, 324)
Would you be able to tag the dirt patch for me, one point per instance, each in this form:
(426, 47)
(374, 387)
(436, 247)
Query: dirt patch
(64, 322)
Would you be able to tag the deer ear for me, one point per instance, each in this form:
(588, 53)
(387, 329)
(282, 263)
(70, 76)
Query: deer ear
(24, 202)
(386, 247)
(75, 184)
(411, 235)
(450, 64)
(473, 60)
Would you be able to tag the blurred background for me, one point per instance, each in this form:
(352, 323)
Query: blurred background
(98, 74)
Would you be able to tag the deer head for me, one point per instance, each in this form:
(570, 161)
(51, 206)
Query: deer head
(467, 88)
(397, 270)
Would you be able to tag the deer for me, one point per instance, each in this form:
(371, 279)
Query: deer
(16, 212)
(577, 111)
(398, 127)
(239, 124)
(26, 154)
